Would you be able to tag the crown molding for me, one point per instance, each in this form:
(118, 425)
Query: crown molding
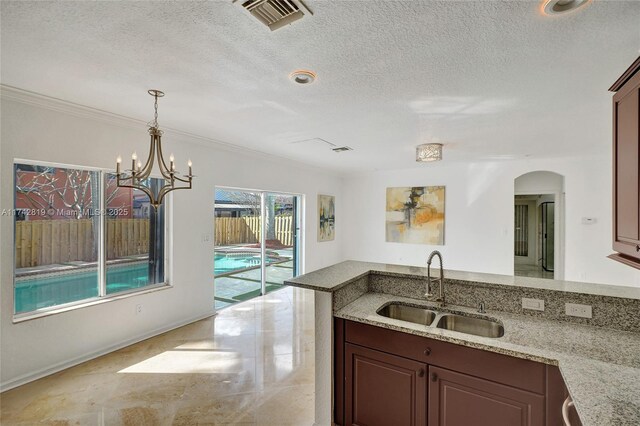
(71, 108)
(59, 105)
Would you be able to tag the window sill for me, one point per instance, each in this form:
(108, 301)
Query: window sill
(54, 310)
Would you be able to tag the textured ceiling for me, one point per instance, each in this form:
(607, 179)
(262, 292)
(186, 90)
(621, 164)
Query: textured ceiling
(490, 80)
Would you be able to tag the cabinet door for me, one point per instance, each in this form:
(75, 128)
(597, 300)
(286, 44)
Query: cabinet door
(383, 389)
(457, 399)
(626, 151)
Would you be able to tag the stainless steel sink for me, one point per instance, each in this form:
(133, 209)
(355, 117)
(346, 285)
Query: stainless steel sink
(408, 313)
(470, 325)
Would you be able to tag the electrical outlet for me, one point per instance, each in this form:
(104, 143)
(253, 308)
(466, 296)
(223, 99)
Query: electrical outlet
(533, 304)
(138, 309)
(576, 310)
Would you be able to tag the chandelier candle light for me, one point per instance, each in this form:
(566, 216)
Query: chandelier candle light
(138, 176)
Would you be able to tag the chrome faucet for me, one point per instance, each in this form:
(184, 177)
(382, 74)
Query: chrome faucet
(430, 296)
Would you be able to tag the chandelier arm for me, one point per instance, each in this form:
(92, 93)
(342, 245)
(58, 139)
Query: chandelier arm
(167, 189)
(143, 189)
(166, 172)
(146, 170)
(184, 180)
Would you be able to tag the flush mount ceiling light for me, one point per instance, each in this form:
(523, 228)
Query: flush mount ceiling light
(429, 152)
(303, 76)
(557, 7)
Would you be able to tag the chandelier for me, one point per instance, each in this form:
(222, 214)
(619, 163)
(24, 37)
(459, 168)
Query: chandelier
(138, 176)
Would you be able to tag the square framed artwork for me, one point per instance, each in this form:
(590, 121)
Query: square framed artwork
(415, 215)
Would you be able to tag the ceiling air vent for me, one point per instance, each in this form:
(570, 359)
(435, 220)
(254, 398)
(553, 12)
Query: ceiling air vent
(342, 149)
(276, 14)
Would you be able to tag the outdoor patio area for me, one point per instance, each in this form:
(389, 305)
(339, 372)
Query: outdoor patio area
(238, 273)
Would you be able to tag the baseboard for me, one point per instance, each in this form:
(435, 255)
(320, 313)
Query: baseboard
(26, 378)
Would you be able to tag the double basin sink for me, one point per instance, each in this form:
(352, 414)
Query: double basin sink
(459, 322)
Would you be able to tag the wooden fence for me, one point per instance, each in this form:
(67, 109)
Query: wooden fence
(127, 237)
(46, 242)
(246, 230)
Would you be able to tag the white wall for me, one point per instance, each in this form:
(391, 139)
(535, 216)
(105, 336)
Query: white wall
(37, 128)
(479, 217)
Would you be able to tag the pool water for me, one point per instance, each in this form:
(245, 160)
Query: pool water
(42, 292)
(223, 264)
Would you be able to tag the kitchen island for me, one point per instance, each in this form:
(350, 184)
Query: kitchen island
(598, 358)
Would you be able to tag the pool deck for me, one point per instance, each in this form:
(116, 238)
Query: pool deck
(231, 288)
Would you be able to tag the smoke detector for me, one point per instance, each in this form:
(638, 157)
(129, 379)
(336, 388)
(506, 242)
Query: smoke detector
(276, 14)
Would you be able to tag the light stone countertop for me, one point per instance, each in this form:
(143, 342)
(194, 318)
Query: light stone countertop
(335, 277)
(600, 366)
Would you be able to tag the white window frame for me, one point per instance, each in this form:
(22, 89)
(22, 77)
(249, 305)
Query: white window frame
(102, 261)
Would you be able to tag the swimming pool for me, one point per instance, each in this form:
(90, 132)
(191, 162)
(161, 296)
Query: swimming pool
(55, 289)
(41, 291)
(228, 263)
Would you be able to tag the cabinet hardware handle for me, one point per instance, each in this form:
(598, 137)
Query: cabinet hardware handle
(565, 410)
(421, 372)
(434, 377)
(637, 247)
(427, 351)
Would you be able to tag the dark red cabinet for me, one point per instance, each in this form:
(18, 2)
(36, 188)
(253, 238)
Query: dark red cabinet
(383, 389)
(457, 399)
(385, 377)
(626, 167)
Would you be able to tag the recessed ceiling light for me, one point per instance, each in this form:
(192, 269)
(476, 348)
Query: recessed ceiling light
(557, 7)
(303, 76)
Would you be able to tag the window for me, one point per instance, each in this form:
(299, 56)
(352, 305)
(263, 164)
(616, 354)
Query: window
(61, 215)
(134, 238)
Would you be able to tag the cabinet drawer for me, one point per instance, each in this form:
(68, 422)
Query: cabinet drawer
(520, 373)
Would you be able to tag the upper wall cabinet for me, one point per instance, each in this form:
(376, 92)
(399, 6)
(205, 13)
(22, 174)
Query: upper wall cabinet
(626, 167)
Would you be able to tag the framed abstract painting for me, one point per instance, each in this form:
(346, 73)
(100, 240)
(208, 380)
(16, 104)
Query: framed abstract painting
(415, 215)
(326, 217)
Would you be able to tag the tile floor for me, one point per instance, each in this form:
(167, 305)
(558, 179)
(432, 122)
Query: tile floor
(251, 364)
(534, 271)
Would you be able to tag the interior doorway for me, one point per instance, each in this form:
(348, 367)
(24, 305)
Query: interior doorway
(256, 243)
(538, 225)
(534, 236)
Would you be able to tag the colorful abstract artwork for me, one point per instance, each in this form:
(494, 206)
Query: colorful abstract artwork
(415, 215)
(326, 217)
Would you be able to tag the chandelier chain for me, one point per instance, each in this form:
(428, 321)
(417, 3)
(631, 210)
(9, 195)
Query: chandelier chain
(155, 116)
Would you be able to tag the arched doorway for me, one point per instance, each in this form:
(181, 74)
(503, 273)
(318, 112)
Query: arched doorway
(539, 225)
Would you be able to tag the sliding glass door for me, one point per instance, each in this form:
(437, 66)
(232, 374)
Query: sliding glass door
(256, 243)
(280, 239)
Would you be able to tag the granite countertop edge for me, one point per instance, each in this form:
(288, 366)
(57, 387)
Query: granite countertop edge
(335, 277)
